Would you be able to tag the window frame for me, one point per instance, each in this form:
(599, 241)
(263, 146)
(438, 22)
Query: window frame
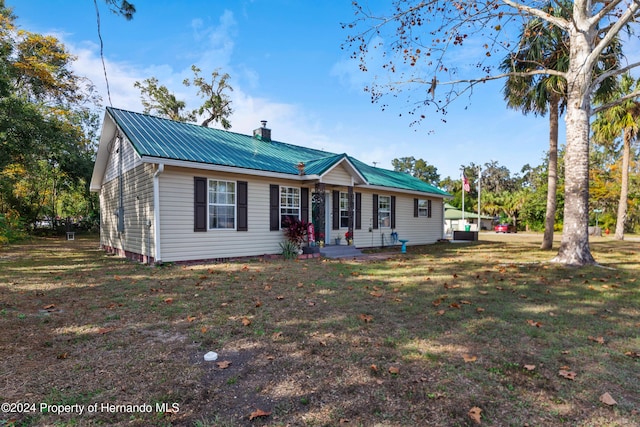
(211, 204)
(344, 209)
(295, 193)
(424, 208)
(382, 211)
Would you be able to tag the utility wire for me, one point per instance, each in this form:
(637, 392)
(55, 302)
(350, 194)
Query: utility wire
(104, 67)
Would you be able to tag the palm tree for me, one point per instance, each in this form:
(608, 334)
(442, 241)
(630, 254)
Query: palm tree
(546, 46)
(541, 46)
(622, 119)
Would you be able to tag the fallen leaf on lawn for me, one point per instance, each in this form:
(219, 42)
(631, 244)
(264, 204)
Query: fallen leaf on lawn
(479, 309)
(570, 375)
(394, 370)
(440, 312)
(607, 399)
(499, 288)
(344, 421)
(280, 297)
(223, 364)
(534, 323)
(599, 340)
(374, 368)
(469, 358)
(259, 413)
(436, 302)
(117, 277)
(258, 303)
(62, 356)
(267, 287)
(454, 305)
(529, 367)
(632, 353)
(191, 318)
(367, 318)
(49, 307)
(103, 331)
(564, 352)
(168, 300)
(379, 382)
(246, 321)
(375, 294)
(276, 335)
(474, 414)
(483, 292)
(203, 329)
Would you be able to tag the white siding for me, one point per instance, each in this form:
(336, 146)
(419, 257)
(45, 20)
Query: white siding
(338, 176)
(130, 159)
(419, 231)
(180, 242)
(137, 237)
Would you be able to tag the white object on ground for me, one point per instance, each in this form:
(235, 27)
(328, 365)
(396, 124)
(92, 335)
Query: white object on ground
(211, 356)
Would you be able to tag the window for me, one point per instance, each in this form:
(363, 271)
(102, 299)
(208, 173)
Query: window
(289, 203)
(424, 208)
(384, 211)
(222, 204)
(344, 210)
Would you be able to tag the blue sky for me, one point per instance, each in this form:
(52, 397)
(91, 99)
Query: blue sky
(286, 66)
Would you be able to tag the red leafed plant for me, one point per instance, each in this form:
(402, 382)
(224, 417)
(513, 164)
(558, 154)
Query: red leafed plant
(348, 235)
(295, 230)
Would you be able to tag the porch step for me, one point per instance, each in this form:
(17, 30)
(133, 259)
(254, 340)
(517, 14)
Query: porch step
(340, 251)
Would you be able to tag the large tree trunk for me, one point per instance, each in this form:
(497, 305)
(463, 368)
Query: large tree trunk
(552, 180)
(624, 186)
(574, 247)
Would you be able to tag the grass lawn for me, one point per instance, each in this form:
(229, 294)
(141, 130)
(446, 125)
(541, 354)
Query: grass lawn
(483, 333)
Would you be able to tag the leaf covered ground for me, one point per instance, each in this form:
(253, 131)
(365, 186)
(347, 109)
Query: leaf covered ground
(485, 333)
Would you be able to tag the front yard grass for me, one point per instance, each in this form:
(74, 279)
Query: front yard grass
(439, 336)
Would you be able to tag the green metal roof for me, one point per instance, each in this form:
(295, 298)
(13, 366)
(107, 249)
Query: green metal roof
(167, 139)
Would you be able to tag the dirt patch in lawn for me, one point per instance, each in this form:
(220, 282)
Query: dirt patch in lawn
(440, 336)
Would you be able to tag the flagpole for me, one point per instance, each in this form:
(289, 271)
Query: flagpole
(462, 182)
(479, 176)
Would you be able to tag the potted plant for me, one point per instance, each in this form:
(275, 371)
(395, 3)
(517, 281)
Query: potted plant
(349, 237)
(338, 238)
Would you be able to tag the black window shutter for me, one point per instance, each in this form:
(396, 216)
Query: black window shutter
(375, 211)
(274, 207)
(358, 211)
(200, 204)
(243, 206)
(393, 211)
(428, 208)
(335, 212)
(304, 204)
(415, 208)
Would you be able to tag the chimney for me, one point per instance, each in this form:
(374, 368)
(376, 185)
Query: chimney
(262, 133)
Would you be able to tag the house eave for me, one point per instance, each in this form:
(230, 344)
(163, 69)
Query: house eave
(228, 169)
(404, 191)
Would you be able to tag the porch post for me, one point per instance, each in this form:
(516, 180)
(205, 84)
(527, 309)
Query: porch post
(318, 201)
(351, 209)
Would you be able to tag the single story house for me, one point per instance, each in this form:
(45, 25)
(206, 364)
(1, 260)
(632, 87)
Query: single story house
(172, 191)
(453, 220)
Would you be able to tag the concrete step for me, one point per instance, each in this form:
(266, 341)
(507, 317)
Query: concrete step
(340, 251)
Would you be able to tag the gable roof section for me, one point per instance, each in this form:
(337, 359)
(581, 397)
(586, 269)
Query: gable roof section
(159, 138)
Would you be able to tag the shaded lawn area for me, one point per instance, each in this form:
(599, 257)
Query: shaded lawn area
(439, 336)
